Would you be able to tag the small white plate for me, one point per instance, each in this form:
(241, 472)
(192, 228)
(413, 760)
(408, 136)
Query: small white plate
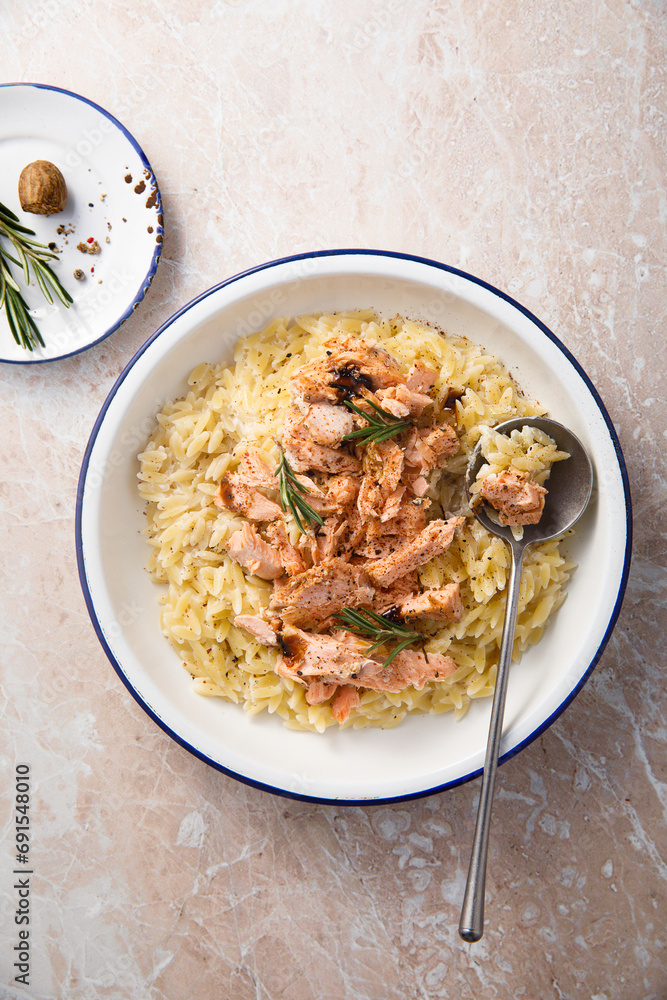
(424, 753)
(113, 198)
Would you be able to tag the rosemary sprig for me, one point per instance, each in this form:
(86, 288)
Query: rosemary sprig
(369, 625)
(380, 428)
(30, 254)
(291, 497)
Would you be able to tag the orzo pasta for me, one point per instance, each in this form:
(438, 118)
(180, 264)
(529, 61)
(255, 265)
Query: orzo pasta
(197, 511)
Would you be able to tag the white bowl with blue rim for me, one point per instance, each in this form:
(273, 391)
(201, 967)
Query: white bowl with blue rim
(424, 753)
(113, 200)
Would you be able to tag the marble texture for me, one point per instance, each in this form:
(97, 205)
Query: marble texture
(524, 142)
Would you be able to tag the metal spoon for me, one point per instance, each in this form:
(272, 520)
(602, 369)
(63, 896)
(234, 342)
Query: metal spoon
(569, 486)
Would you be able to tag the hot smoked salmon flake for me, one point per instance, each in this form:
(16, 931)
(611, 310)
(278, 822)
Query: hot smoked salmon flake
(381, 525)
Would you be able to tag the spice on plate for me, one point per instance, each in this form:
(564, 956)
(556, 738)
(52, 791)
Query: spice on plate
(90, 246)
(42, 188)
(79, 274)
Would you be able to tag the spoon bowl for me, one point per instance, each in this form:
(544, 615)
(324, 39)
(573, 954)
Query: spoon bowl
(570, 484)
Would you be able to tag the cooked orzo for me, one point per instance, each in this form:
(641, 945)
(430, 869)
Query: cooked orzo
(371, 422)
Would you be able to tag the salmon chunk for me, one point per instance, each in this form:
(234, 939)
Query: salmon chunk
(421, 378)
(253, 471)
(342, 491)
(340, 659)
(291, 558)
(234, 495)
(304, 453)
(318, 691)
(325, 544)
(396, 593)
(382, 466)
(427, 447)
(333, 659)
(339, 493)
(368, 498)
(349, 367)
(339, 536)
(328, 424)
(345, 699)
(515, 496)
(392, 504)
(419, 486)
(311, 597)
(434, 539)
(249, 550)
(384, 536)
(444, 604)
(402, 401)
(261, 629)
(388, 464)
(409, 668)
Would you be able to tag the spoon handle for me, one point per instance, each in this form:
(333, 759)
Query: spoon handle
(471, 925)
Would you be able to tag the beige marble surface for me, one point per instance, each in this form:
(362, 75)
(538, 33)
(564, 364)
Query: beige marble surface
(525, 143)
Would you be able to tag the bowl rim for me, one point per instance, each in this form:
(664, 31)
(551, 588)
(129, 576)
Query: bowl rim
(254, 782)
(147, 280)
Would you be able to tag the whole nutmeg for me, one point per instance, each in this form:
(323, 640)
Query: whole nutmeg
(42, 188)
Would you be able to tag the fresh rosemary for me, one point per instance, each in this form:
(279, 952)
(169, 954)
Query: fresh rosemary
(380, 428)
(291, 496)
(369, 625)
(29, 254)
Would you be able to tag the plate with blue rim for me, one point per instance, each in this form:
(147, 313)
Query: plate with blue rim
(424, 753)
(107, 239)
